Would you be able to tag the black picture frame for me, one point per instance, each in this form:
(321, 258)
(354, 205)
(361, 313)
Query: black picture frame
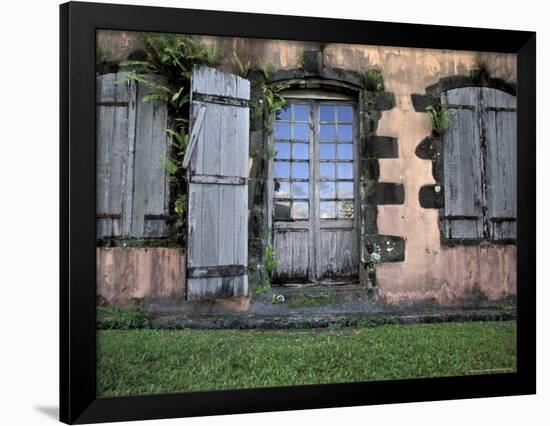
(78, 25)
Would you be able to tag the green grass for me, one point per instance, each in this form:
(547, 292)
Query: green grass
(157, 361)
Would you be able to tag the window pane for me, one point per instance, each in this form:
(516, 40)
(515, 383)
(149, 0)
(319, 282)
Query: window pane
(300, 151)
(300, 210)
(281, 210)
(345, 132)
(345, 209)
(282, 189)
(282, 150)
(327, 209)
(300, 189)
(327, 133)
(345, 113)
(327, 189)
(300, 170)
(284, 113)
(301, 112)
(328, 170)
(301, 132)
(282, 169)
(345, 171)
(327, 151)
(326, 113)
(345, 189)
(345, 151)
(282, 131)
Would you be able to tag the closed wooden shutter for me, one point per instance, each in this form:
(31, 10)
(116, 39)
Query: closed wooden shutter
(217, 161)
(499, 118)
(115, 117)
(132, 186)
(480, 164)
(150, 207)
(463, 216)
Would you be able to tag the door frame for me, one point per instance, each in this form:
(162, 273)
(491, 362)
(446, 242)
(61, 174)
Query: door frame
(315, 99)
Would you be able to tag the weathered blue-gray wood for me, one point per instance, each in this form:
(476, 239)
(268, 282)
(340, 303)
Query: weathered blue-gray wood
(115, 121)
(499, 109)
(218, 188)
(463, 213)
(292, 248)
(132, 186)
(197, 128)
(340, 253)
(480, 164)
(151, 197)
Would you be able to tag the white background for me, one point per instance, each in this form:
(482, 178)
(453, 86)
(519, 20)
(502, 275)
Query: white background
(29, 211)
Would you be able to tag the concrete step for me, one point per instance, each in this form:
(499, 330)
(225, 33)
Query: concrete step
(320, 320)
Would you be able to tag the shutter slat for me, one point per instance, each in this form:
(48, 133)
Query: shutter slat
(218, 203)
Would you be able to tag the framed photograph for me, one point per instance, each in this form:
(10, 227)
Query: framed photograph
(264, 213)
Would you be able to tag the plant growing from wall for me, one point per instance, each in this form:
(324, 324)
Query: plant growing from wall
(481, 73)
(372, 80)
(270, 263)
(244, 67)
(166, 72)
(268, 72)
(440, 118)
(274, 101)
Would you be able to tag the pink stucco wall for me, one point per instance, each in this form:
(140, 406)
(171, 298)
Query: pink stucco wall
(153, 274)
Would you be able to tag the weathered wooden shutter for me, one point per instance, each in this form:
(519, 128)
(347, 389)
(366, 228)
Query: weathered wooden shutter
(499, 119)
(150, 208)
(132, 186)
(217, 160)
(115, 118)
(463, 213)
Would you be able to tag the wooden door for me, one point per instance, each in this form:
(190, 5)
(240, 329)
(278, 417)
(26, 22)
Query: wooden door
(314, 177)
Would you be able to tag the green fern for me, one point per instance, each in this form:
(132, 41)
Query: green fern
(440, 118)
(268, 72)
(244, 67)
(372, 80)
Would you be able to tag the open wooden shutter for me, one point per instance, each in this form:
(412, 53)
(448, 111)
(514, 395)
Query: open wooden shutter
(499, 118)
(132, 185)
(217, 162)
(463, 213)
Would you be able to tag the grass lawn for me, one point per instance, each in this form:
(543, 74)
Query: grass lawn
(134, 362)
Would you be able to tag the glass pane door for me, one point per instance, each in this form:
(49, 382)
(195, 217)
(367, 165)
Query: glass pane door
(314, 177)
